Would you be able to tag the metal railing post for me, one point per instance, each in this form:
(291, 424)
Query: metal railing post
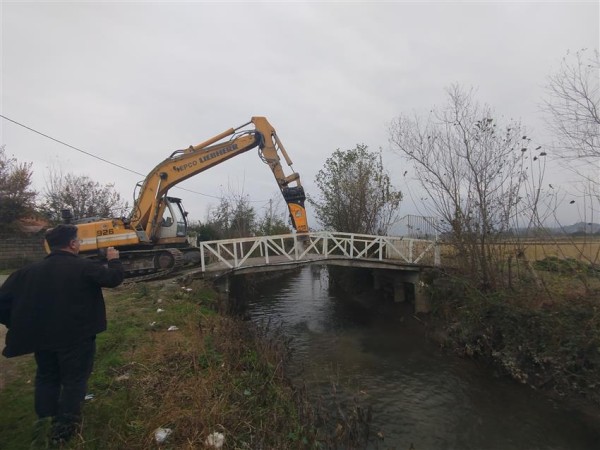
(296, 244)
(266, 250)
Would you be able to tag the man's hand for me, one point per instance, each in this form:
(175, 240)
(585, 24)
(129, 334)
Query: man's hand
(112, 253)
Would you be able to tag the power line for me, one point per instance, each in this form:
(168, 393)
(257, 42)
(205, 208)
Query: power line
(105, 160)
(71, 146)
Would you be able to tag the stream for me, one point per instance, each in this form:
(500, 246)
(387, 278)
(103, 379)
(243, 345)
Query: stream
(421, 396)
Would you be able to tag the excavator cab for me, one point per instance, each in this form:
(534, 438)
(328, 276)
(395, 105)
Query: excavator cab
(174, 220)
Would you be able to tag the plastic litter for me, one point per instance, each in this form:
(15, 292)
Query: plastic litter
(152, 324)
(172, 328)
(162, 434)
(89, 397)
(215, 440)
(159, 310)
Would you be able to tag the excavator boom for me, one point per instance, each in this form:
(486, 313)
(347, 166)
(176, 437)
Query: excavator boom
(153, 239)
(183, 164)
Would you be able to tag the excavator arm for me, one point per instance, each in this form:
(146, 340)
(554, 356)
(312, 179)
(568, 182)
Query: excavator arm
(183, 164)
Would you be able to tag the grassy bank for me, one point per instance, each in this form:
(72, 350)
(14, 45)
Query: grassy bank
(545, 332)
(214, 374)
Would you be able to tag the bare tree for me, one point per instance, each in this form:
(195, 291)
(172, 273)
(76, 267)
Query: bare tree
(356, 195)
(82, 195)
(572, 106)
(17, 198)
(572, 110)
(474, 171)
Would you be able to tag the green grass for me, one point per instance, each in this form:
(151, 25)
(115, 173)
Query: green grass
(17, 415)
(214, 373)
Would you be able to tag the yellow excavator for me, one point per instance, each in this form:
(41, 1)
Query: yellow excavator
(153, 239)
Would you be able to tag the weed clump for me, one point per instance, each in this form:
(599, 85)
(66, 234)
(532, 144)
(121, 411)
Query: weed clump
(569, 266)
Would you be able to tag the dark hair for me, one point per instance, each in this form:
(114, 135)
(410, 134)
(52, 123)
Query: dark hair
(61, 236)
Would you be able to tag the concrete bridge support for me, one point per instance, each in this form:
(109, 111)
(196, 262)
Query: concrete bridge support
(223, 285)
(405, 286)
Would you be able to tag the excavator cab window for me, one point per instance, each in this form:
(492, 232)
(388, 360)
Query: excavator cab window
(167, 220)
(173, 223)
(181, 228)
(179, 214)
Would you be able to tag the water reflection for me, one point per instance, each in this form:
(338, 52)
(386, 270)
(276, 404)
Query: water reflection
(420, 396)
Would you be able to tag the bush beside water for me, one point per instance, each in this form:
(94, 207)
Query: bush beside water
(545, 333)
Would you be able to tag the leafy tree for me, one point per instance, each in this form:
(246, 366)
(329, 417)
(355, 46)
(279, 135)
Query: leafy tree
(356, 194)
(243, 219)
(208, 232)
(234, 217)
(218, 218)
(475, 171)
(203, 231)
(17, 199)
(572, 105)
(83, 196)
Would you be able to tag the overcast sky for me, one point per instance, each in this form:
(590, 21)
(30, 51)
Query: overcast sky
(133, 81)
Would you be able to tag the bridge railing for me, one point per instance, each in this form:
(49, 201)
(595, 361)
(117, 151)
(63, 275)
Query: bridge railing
(235, 253)
(365, 246)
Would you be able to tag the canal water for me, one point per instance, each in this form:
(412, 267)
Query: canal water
(421, 397)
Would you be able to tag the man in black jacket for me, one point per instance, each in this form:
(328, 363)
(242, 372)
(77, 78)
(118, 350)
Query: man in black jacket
(54, 308)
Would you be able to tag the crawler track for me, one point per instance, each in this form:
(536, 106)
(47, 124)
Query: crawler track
(178, 261)
(164, 275)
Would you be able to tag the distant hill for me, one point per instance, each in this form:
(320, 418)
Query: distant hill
(580, 228)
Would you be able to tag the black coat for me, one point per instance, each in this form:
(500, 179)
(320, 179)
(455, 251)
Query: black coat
(56, 302)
